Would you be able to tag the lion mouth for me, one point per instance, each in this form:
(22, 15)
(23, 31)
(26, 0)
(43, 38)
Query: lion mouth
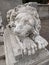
(27, 34)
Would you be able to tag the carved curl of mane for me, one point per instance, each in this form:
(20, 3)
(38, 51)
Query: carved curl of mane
(11, 14)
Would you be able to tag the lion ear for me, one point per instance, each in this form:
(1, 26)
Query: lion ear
(16, 9)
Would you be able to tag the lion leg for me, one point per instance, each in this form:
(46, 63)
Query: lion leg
(30, 45)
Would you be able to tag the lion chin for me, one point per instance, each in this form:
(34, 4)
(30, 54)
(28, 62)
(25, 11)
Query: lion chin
(25, 23)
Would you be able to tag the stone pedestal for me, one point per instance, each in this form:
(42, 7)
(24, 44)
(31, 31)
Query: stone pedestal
(41, 57)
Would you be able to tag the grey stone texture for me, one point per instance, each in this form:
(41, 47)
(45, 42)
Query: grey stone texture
(24, 49)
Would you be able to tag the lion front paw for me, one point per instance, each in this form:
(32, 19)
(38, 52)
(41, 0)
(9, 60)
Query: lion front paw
(30, 46)
(41, 42)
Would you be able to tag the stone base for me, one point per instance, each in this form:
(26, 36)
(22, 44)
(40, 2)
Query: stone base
(40, 58)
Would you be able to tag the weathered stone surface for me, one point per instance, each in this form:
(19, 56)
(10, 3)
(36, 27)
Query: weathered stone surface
(1, 26)
(1, 38)
(25, 28)
(0, 20)
(22, 38)
(10, 59)
(2, 54)
(1, 32)
(40, 58)
(2, 62)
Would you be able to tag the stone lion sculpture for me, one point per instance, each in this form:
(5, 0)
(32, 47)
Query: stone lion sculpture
(24, 22)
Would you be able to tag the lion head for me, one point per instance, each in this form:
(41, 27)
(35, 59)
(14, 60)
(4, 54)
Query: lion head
(24, 19)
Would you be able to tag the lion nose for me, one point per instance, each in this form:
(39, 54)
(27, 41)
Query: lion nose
(13, 25)
(9, 26)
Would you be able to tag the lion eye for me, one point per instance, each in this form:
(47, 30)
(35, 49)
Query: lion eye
(13, 25)
(26, 20)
